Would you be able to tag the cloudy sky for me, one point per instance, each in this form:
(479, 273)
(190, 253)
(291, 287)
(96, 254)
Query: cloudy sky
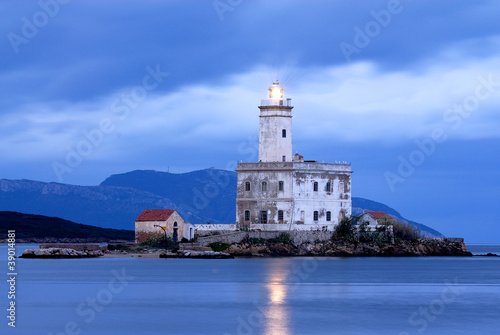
(406, 91)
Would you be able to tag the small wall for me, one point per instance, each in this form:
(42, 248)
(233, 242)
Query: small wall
(208, 229)
(297, 237)
(74, 246)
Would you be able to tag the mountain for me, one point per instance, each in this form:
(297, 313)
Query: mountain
(200, 196)
(35, 227)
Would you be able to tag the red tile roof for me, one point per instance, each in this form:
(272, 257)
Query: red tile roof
(155, 215)
(378, 215)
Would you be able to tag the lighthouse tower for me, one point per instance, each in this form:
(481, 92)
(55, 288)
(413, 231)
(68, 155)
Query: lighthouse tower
(275, 136)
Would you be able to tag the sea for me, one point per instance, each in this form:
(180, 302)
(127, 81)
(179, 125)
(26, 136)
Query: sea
(272, 296)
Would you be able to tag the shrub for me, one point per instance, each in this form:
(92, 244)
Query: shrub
(257, 240)
(405, 232)
(160, 243)
(219, 246)
(345, 231)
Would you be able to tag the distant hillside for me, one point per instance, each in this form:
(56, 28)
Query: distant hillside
(199, 196)
(36, 227)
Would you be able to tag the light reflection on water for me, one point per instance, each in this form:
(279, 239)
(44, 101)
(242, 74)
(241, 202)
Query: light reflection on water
(277, 319)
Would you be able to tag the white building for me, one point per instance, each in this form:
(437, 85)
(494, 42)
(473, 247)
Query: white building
(284, 192)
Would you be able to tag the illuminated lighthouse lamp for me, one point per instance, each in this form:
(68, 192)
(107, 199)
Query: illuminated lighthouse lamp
(276, 96)
(275, 91)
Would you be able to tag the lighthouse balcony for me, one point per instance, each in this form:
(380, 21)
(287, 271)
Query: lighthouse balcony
(276, 102)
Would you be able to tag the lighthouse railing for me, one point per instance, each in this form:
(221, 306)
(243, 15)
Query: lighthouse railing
(276, 102)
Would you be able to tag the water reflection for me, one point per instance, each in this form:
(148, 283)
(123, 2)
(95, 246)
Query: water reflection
(277, 318)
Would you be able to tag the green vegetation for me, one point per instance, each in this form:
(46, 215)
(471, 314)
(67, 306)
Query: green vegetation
(161, 243)
(282, 238)
(219, 246)
(403, 231)
(33, 227)
(347, 231)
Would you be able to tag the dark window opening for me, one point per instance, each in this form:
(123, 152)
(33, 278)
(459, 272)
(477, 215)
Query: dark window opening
(283, 133)
(315, 186)
(247, 215)
(328, 216)
(316, 215)
(280, 216)
(263, 217)
(247, 186)
(264, 186)
(328, 187)
(281, 186)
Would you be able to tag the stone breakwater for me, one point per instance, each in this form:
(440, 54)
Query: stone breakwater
(60, 253)
(421, 247)
(196, 254)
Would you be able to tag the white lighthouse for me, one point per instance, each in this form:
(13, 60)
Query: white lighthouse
(275, 136)
(281, 192)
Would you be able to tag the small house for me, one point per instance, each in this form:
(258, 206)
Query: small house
(154, 223)
(372, 217)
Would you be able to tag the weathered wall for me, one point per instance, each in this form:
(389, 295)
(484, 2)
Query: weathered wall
(297, 200)
(272, 145)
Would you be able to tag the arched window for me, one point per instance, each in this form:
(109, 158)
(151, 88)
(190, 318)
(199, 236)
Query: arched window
(328, 216)
(315, 186)
(316, 215)
(328, 187)
(175, 223)
(264, 186)
(280, 216)
(281, 186)
(247, 215)
(247, 186)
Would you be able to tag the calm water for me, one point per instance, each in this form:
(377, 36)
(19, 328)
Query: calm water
(424, 295)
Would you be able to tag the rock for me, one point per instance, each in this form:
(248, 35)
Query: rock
(39, 252)
(27, 252)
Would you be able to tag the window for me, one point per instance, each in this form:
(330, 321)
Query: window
(283, 133)
(281, 186)
(283, 158)
(264, 186)
(341, 187)
(247, 186)
(315, 215)
(328, 216)
(280, 216)
(328, 187)
(247, 215)
(263, 217)
(315, 186)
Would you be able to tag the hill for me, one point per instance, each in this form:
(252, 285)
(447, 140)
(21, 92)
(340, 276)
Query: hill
(31, 227)
(199, 196)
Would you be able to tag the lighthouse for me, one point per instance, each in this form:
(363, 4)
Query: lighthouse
(275, 135)
(282, 192)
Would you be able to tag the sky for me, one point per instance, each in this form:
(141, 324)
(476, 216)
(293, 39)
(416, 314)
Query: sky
(408, 92)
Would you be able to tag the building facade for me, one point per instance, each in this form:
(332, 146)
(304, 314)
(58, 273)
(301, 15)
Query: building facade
(284, 192)
(155, 223)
